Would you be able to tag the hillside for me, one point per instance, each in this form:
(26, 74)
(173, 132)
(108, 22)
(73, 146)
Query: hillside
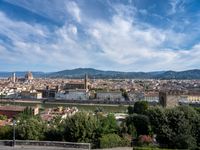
(93, 73)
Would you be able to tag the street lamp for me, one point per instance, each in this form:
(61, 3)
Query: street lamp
(14, 121)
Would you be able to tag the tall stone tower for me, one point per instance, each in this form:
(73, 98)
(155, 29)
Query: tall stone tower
(86, 82)
(169, 98)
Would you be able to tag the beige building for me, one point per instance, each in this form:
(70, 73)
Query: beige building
(31, 94)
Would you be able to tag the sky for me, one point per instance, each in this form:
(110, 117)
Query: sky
(120, 35)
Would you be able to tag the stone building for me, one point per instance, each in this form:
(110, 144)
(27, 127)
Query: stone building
(169, 98)
(77, 85)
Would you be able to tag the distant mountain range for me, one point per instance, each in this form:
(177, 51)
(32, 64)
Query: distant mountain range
(93, 73)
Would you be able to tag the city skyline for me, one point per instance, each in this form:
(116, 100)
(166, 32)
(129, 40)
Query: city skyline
(132, 35)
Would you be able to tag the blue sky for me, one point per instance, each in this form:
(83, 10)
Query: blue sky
(123, 35)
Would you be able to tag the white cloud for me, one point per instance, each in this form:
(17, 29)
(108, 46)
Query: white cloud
(35, 44)
(121, 43)
(176, 6)
(74, 10)
(127, 42)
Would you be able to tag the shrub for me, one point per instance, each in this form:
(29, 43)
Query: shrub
(126, 140)
(6, 132)
(110, 140)
(3, 117)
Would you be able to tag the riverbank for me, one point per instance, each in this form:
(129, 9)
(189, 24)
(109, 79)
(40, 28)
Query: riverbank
(112, 108)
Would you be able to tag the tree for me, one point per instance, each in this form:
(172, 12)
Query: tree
(130, 109)
(197, 134)
(30, 128)
(81, 127)
(140, 107)
(108, 124)
(140, 122)
(176, 127)
(6, 132)
(55, 130)
(157, 117)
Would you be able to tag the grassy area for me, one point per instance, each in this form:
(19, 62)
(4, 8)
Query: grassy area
(82, 107)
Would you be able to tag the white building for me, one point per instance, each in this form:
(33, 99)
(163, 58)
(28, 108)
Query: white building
(136, 96)
(31, 94)
(109, 95)
(73, 94)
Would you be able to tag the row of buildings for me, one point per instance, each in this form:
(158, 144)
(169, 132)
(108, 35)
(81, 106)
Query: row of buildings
(102, 89)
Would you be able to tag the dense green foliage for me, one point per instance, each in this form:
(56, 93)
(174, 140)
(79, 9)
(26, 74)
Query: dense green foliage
(30, 128)
(3, 117)
(140, 122)
(55, 130)
(176, 128)
(140, 107)
(111, 140)
(130, 109)
(28, 111)
(6, 132)
(107, 124)
(81, 127)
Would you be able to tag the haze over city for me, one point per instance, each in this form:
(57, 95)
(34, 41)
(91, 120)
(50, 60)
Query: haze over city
(132, 35)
